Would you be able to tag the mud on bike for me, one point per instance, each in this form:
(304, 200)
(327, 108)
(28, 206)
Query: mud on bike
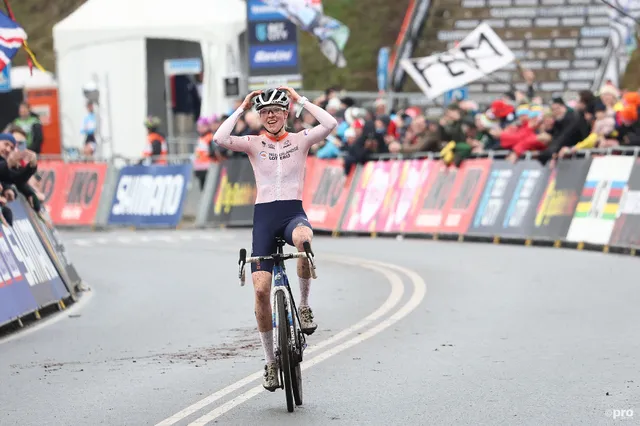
(288, 340)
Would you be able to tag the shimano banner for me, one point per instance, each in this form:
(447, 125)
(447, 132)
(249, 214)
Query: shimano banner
(150, 196)
(272, 47)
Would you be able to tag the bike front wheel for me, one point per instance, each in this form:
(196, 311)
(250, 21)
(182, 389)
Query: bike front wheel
(286, 362)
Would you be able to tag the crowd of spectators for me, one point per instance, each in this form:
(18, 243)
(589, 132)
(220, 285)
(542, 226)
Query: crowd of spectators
(517, 122)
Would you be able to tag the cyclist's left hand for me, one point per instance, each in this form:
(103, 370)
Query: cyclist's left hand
(292, 93)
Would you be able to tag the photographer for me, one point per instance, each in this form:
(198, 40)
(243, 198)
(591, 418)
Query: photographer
(16, 168)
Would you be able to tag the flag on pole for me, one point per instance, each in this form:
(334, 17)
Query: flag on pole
(12, 38)
(9, 22)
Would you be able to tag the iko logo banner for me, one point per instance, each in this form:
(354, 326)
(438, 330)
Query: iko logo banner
(273, 56)
(273, 32)
(150, 195)
(257, 10)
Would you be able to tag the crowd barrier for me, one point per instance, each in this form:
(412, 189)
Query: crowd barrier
(99, 195)
(35, 272)
(590, 202)
(584, 202)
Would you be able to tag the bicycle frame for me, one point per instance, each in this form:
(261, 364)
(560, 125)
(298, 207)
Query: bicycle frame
(281, 284)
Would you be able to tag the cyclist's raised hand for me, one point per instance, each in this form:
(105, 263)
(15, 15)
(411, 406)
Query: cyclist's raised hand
(292, 93)
(246, 104)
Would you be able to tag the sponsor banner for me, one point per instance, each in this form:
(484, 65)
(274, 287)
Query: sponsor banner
(52, 174)
(450, 198)
(493, 202)
(272, 32)
(519, 215)
(478, 55)
(52, 241)
(235, 194)
(26, 258)
(403, 197)
(272, 47)
(150, 196)
(325, 194)
(16, 298)
(555, 210)
(77, 194)
(257, 10)
(597, 209)
(372, 192)
(280, 57)
(626, 231)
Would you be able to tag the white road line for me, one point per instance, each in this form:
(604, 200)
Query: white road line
(165, 238)
(124, 240)
(397, 290)
(419, 292)
(186, 237)
(101, 240)
(82, 242)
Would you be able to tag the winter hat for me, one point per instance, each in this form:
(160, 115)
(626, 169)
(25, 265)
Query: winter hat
(610, 89)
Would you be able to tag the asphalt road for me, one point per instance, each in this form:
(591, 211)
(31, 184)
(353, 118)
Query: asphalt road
(504, 335)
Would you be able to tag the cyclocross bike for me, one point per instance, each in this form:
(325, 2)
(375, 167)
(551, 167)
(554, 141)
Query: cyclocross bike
(288, 340)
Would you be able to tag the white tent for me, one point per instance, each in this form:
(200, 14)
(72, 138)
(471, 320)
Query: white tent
(22, 77)
(105, 41)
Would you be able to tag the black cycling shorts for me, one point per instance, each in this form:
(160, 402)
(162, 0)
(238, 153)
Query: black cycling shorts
(271, 220)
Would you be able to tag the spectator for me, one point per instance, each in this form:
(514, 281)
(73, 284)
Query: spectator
(524, 135)
(610, 96)
(34, 187)
(89, 127)
(30, 123)
(451, 124)
(16, 168)
(423, 137)
(601, 135)
(569, 128)
(156, 150)
(484, 140)
(629, 127)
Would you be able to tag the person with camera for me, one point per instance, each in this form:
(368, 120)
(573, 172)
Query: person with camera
(16, 168)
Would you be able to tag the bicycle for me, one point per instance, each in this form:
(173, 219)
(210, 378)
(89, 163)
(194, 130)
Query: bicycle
(288, 341)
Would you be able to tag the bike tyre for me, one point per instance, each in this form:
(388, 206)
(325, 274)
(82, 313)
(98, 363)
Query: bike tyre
(296, 381)
(285, 353)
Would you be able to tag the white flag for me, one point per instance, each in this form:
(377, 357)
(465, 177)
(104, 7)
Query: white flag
(479, 54)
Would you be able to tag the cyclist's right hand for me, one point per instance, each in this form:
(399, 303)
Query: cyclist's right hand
(246, 104)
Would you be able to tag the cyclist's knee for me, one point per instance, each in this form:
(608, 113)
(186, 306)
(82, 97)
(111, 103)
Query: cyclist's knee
(301, 234)
(262, 285)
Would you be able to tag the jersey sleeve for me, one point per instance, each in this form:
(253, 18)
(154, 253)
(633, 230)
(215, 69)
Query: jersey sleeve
(223, 137)
(322, 130)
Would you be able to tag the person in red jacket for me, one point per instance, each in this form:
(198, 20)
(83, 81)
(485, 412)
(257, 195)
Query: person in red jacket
(523, 137)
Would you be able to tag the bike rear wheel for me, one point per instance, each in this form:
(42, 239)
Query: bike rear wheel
(286, 361)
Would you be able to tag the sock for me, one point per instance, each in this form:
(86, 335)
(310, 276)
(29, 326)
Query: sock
(267, 344)
(305, 286)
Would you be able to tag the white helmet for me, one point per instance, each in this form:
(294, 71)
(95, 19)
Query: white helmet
(271, 97)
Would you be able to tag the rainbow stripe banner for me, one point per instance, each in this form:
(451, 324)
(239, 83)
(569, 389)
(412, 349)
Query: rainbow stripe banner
(590, 191)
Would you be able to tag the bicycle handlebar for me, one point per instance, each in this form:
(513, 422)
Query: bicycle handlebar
(308, 254)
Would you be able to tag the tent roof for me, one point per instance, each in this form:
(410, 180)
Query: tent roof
(21, 77)
(111, 20)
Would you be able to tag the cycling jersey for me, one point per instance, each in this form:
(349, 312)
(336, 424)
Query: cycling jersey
(278, 163)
